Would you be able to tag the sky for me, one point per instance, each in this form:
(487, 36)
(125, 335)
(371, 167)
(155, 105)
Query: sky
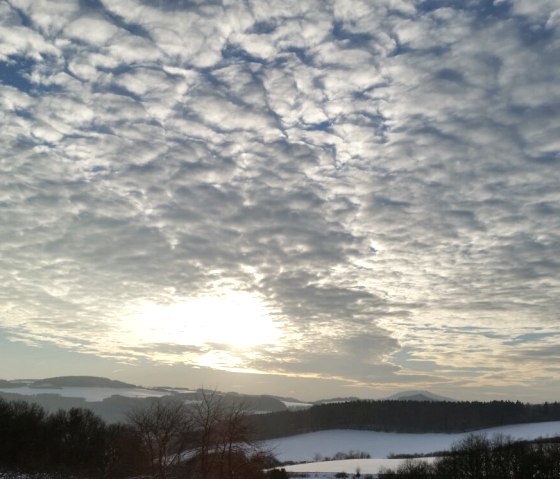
(308, 198)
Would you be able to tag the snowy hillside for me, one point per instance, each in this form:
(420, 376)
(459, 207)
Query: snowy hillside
(307, 447)
(349, 466)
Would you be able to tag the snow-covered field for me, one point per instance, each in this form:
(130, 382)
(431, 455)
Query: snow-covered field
(308, 447)
(297, 405)
(90, 394)
(349, 466)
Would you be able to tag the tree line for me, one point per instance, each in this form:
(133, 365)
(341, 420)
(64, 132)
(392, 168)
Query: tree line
(480, 457)
(166, 439)
(403, 416)
(214, 438)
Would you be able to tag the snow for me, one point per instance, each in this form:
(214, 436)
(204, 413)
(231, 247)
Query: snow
(90, 394)
(350, 466)
(527, 431)
(306, 447)
(297, 405)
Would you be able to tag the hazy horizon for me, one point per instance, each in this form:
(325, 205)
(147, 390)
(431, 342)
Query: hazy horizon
(302, 198)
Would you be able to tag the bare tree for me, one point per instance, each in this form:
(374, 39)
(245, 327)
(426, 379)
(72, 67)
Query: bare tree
(210, 437)
(162, 427)
(235, 446)
(206, 416)
(224, 448)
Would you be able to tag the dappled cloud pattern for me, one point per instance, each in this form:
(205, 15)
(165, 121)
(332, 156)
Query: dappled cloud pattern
(380, 180)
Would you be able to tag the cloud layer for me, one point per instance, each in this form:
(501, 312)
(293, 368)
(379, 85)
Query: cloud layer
(383, 177)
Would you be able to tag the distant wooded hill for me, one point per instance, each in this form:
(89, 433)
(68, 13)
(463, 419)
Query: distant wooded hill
(403, 416)
(7, 384)
(79, 382)
(418, 396)
(114, 408)
(67, 382)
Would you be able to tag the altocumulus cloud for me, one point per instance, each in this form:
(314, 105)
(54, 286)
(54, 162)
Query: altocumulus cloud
(376, 181)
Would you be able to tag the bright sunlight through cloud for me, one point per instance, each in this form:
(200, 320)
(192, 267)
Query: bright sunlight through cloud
(365, 192)
(238, 319)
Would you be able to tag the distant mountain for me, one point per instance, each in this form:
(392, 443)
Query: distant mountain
(417, 396)
(79, 381)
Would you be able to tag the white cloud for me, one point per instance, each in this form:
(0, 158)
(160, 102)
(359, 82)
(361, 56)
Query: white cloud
(130, 50)
(538, 11)
(48, 17)
(382, 174)
(18, 40)
(93, 30)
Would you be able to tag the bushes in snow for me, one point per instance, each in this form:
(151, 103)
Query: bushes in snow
(479, 457)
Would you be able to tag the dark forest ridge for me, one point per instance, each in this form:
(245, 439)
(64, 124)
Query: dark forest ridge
(404, 416)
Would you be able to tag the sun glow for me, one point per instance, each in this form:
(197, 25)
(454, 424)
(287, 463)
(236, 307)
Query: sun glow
(237, 319)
